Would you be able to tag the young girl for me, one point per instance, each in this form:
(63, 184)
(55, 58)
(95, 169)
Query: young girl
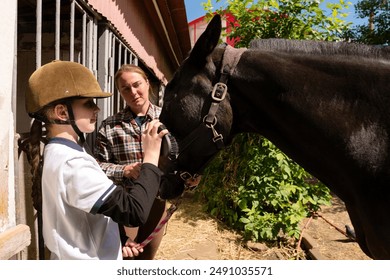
(80, 205)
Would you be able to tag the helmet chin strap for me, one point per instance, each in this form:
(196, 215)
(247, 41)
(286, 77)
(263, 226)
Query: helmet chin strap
(72, 122)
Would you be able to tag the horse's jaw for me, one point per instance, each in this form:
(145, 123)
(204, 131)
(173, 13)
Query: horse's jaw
(171, 187)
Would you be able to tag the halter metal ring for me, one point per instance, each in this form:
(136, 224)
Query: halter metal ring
(210, 125)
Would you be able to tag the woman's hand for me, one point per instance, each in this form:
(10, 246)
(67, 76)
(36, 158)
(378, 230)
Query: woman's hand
(132, 170)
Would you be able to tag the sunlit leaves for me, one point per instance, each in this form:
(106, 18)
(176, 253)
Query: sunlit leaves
(257, 189)
(376, 28)
(293, 19)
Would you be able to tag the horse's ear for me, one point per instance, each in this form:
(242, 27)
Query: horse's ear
(207, 41)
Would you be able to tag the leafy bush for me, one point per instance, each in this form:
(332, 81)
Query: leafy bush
(293, 19)
(255, 188)
(252, 186)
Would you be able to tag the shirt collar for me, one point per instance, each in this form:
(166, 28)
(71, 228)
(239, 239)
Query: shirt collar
(66, 142)
(152, 113)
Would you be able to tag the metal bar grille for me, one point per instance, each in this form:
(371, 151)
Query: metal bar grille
(58, 29)
(38, 36)
(71, 31)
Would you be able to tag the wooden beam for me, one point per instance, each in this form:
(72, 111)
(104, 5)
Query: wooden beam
(14, 240)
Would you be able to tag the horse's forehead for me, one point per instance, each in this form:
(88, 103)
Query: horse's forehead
(191, 68)
(202, 81)
(191, 83)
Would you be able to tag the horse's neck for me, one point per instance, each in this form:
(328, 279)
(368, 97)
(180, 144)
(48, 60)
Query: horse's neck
(304, 82)
(313, 113)
(263, 84)
(309, 103)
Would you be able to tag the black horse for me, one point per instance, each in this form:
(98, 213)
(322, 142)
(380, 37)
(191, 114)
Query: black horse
(326, 105)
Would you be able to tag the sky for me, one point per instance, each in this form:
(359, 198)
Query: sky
(195, 9)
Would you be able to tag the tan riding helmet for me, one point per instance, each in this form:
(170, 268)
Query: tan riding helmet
(58, 80)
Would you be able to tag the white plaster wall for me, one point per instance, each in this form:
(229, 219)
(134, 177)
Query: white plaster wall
(8, 10)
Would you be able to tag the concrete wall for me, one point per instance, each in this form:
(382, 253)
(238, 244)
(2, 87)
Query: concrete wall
(7, 92)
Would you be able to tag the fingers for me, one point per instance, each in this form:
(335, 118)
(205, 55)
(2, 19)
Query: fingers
(192, 182)
(151, 140)
(136, 166)
(129, 252)
(153, 128)
(131, 249)
(132, 170)
(136, 170)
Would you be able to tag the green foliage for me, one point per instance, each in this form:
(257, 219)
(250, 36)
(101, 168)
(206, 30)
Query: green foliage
(252, 186)
(255, 188)
(376, 31)
(293, 19)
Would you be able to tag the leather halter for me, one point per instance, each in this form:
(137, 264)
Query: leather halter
(231, 57)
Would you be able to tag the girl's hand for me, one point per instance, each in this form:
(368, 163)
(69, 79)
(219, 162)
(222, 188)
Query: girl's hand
(131, 249)
(151, 141)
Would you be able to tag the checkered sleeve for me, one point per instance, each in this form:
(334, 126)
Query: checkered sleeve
(104, 155)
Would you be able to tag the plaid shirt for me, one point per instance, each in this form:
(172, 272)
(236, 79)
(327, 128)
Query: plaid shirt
(118, 142)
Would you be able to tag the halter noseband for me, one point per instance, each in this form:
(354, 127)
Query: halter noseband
(231, 57)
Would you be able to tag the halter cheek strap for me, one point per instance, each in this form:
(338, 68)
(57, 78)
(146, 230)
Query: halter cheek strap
(230, 59)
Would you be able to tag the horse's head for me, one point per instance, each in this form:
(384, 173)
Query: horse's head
(196, 107)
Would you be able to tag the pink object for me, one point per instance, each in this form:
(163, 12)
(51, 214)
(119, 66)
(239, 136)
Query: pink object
(170, 212)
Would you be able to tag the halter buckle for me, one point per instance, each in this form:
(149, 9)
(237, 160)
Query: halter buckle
(185, 175)
(219, 92)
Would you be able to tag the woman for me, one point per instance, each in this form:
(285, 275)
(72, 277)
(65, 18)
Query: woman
(80, 205)
(120, 149)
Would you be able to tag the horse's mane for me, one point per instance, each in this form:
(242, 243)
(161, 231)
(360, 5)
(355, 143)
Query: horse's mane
(321, 48)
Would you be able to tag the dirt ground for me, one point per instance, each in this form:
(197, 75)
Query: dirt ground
(192, 234)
